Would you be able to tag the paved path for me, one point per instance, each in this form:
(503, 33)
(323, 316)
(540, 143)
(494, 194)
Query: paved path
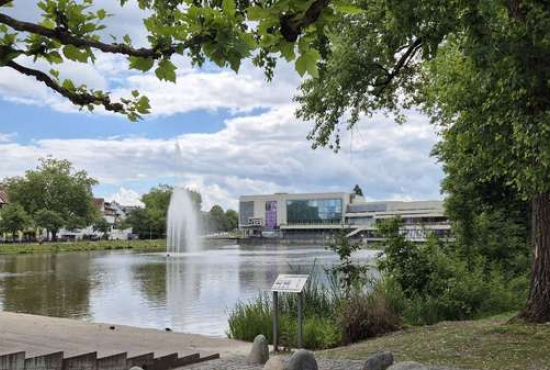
(38, 335)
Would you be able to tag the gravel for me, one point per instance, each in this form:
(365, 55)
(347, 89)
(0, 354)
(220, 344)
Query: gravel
(239, 363)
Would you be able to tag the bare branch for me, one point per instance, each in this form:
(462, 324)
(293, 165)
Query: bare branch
(67, 38)
(293, 24)
(78, 98)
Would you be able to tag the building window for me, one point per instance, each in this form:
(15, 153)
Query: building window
(246, 212)
(314, 211)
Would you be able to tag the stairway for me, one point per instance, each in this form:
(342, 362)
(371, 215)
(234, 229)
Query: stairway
(90, 361)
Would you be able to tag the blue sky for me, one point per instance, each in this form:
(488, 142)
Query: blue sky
(217, 132)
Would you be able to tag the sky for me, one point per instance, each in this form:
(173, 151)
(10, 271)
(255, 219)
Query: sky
(221, 133)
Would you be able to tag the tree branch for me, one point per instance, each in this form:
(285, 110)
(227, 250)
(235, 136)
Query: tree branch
(66, 38)
(78, 98)
(403, 62)
(293, 24)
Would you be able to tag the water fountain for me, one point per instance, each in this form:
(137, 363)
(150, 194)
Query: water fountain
(182, 223)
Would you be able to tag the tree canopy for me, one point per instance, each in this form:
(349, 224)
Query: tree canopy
(222, 31)
(13, 218)
(477, 68)
(54, 194)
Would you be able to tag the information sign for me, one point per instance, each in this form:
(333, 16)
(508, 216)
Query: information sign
(290, 283)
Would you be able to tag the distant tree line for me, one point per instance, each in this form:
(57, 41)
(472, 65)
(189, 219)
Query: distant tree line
(150, 221)
(54, 195)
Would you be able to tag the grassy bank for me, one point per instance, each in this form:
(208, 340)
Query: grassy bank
(481, 344)
(159, 244)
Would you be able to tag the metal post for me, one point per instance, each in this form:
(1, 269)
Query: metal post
(300, 295)
(275, 321)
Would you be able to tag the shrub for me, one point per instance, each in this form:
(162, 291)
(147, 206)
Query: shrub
(431, 283)
(363, 316)
(247, 320)
(328, 321)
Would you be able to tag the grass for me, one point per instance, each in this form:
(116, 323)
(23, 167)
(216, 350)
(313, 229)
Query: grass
(82, 246)
(481, 344)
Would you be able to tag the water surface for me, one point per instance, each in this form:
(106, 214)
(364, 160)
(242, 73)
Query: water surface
(191, 292)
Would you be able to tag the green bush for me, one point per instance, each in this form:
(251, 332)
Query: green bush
(328, 321)
(429, 283)
(363, 316)
(247, 320)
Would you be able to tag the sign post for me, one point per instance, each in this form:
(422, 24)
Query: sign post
(286, 283)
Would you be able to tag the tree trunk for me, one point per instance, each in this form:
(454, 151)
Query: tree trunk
(537, 309)
(54, 235)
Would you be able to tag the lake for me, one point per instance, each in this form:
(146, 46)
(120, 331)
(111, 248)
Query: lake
(190, 293)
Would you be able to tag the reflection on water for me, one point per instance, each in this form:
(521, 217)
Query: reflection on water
(190, 292)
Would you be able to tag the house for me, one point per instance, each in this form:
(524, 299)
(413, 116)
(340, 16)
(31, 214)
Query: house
(113, 212)
(3, 199)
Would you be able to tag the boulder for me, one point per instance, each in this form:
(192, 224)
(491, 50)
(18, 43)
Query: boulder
(302, 360)
(379, 361)
(259, 354)
(276, 363)
(408, 365)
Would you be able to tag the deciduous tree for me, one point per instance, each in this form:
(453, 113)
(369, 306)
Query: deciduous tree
(479, 68)
(13, 218)
(50, 220)
(63, 194)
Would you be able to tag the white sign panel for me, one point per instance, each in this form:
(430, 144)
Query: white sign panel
(290, 283)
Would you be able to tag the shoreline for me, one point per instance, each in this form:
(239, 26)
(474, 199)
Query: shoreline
(39, 335)
(10, 249)
(81, 246)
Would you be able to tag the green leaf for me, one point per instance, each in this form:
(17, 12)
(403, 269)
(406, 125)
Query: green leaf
(101, 14)
(143, 105)
(166, 70)
(68, 84)
(135, 93)
(228, 7)
(307, 62)
(141, 64)
(8, 56)
(54, 73)
(73, 53)
(255, 13)
(287, 50)
(347, 8)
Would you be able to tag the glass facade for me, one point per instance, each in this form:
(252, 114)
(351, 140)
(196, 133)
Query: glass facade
(246, 211)
(314, 211)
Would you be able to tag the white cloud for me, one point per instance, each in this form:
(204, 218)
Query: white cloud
(127, 197)
(260, 153)
(254, 153)
(4, 138)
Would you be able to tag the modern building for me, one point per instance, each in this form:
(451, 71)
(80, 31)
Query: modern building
(320, 215)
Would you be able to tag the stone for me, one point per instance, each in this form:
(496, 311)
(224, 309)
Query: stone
(379, 361)
(302, 360)
(408, 365)
(136, 368)
(259, 354)
(276, 363)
